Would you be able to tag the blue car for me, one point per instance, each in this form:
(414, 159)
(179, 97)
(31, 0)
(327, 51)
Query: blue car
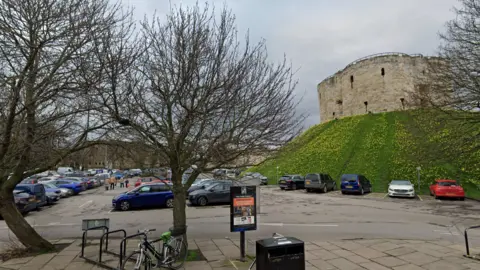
(355, 183)
(36, 190)
(146, 195)
(74, 186)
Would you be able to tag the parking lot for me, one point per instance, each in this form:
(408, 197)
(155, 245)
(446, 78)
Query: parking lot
(319, 216)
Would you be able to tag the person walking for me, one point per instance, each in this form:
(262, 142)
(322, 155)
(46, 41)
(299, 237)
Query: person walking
(126, 183)
(122, 182)
(112, 182)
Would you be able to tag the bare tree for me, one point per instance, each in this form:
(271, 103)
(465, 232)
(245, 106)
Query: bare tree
(453, 79)
(44, 101)
(201, 97)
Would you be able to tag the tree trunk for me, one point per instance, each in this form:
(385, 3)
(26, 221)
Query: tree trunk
(179, 204)
(20, 227)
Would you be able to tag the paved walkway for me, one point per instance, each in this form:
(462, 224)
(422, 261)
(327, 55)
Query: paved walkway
(221, 254)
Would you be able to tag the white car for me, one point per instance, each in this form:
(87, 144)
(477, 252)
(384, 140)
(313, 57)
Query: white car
(401, 188)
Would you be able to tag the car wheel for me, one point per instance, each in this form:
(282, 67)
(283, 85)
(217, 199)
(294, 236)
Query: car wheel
(334, 187)
(169, 203)
(202, 201)
(308, 190)
(343, 192)
(325, 189)
(462, 199)
(431, 194)
(282, 188)
(362, 191)
(124, 205)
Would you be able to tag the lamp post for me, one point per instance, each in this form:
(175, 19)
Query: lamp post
(418, 177)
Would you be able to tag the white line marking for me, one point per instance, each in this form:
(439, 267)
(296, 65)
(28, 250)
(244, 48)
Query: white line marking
(420, 198)
(385, 196)
(87, 203)
(300, 225)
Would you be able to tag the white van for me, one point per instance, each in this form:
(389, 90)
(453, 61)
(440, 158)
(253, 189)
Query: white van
(63, 170)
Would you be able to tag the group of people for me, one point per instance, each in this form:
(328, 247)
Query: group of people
(113, 181)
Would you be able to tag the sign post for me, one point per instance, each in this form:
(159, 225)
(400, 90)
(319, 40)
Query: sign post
(243, 212)
(418, 177)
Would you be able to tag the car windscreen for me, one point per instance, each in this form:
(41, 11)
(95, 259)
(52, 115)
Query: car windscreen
(447, 184)
(401, 183)
(49, 185)
(286, 177)
(311, 177)
(349, 178)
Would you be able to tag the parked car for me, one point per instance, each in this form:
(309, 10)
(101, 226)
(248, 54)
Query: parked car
(224, 173)
(63, 170)
(447, 188)
(401, 188)
(319, 181)
(74, 187)
(24, 201)
(49, 178)
(355, 183)
(263, 179)
(148, 195)
(52, 196)
(215, 193)
(292, 181)
(64, 192)
(37, 190)
(76, 179)
(151, 179)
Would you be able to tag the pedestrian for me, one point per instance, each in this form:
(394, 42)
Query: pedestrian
(122, 182)
(112, 183)
(126, 183)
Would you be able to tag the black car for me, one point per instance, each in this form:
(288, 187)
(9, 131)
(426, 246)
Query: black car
(319, 181)
(215, 193)
(291, 181)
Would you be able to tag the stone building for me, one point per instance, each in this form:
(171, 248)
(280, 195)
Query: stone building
(373, 84)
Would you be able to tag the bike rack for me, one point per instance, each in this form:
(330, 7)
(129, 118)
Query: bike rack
(123, 245)
(85, 235)
(106, 243)
(466, 241)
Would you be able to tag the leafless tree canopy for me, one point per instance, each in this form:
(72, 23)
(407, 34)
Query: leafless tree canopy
(44, 102)
(201, 96)
(454, 81)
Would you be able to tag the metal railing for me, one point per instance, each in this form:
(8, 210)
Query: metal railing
(466, 238)
(106, 242)
(123, 245)
(84, 236)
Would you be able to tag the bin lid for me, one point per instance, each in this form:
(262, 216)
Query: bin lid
(277, 242)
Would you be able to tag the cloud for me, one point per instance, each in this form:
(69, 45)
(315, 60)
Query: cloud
(321, 36)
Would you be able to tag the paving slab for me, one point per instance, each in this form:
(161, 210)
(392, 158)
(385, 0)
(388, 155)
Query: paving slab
(389, 261)
(443, 265)
(197, 266)
(400, 251)
(373, 266)
(322, 265)
(369, 253)
(323, 254)
(418, 258)
(408, 267)
(343, 264)
(386, 246)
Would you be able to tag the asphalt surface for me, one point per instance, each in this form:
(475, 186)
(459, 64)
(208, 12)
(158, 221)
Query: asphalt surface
(308, 216)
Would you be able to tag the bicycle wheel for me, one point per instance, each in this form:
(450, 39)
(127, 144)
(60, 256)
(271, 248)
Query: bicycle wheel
(137, 261)
(177, 252)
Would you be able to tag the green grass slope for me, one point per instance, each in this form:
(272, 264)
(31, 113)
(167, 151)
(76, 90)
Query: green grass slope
(382, 147)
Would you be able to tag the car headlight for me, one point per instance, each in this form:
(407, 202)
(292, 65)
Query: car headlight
(410, 190)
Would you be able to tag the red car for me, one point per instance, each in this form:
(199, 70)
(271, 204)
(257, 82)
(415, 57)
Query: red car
(447, 188)
(153, 179)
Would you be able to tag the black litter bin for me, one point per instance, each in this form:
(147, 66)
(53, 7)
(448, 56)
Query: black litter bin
(280, 253)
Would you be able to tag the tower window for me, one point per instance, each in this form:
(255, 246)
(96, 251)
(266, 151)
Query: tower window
(383, 72)
(351, 78)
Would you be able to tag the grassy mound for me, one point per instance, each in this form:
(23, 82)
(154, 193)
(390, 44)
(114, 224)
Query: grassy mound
(383, 147)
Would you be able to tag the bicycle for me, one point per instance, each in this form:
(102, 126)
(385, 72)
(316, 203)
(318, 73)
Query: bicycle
(172, 255)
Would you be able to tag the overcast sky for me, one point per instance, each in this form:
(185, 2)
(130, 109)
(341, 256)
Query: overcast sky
(321, 37)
